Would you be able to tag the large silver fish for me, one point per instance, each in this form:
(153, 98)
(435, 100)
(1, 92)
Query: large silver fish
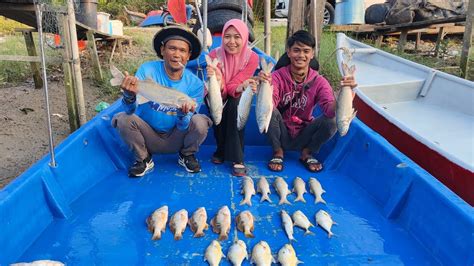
(325, 220)
(237, 253)
(149, 90)
(214, 253)
(221, 223)
(243, 109)
(264, 106)
(248, 190)
(214, 94)
(198, 222)
(287, 256)
(262, 254)
(344, 111)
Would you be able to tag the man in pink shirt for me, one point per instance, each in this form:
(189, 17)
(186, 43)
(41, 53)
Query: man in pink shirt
(297, 90)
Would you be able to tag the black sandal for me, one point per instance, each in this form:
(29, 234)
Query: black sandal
(276, 160)
(311, 161)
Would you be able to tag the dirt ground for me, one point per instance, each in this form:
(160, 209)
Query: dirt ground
(24, 132)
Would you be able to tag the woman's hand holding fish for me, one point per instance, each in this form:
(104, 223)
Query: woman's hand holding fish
(249, 82)
(265, 77)
(215, 71)
(130, 84)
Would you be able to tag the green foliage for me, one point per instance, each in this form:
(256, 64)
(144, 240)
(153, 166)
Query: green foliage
(258, 9)
(8, 26)
(115, 7)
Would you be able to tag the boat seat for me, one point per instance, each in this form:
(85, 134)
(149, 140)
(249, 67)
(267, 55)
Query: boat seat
(389, 85)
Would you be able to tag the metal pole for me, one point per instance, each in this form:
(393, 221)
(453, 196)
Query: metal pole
(76, 62)
(204, 24)
(39, 16)
(267, 27)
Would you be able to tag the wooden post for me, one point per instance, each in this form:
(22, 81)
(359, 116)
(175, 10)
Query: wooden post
(94, 56)
(316, 16)
(467, 54)
(76, 63)
(68, 80)
(295, 16)
(441, 34)
(267, 27)
(35, 67)
(418, 40)
(402, 41)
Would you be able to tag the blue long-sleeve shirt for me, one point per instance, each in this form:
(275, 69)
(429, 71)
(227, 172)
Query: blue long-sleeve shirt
(164, 118)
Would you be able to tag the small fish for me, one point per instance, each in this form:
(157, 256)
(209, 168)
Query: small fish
(214, 93)
(324, 220)
(237, 253)
(245, 223)
(299, 186)
(149, 90)
(281, 188)
(344, 111)
(248, 191)
(221, 223)
(243, 109)
(264, 107)
(178, 223)
(214, 253)
(198, 222)
(287, 225)
(262, 254)
(287, 256)
(316, 188)
(157, 222)
(300, 220)
(39, 263)
(264, 188)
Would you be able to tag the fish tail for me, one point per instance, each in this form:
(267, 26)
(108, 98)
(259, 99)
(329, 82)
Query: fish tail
(249, 234)
(246, 201)
(308, 232)
(199, 234)
(284, 201)
(156, 235)
(265, 197)
(292, 239)
(320, 199)
(178, 236)
(223, 236)
(117, 76)
(300, 198)
(330, 234)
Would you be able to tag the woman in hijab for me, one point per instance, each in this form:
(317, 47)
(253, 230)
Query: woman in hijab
(237, 64)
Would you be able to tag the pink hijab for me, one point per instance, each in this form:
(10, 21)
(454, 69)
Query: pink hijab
(234, 63)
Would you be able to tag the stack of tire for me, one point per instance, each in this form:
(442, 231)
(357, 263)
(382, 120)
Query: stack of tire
(221, 11)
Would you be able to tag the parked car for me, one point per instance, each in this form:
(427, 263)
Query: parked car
(281, 10)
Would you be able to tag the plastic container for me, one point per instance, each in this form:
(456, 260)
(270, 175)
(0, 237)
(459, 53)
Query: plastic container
(86, 13)
(349, 12)
(103, 22)
(116, 27)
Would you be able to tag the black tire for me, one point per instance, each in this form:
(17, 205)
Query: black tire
(235, 5)
(216, 20)
(328, 14)
(376, 13)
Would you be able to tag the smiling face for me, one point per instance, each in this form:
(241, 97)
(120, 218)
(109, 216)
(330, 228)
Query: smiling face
(300, 55)
(175, 53)
(232, 41)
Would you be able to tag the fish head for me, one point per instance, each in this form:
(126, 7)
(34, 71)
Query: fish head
(216, 244)
(241, 243)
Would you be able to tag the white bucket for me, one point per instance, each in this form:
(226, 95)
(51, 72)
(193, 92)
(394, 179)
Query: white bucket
(116, 27)
(103, 22)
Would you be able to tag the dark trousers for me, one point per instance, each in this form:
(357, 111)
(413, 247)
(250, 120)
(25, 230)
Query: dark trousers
(313, 136)
(229, 140)
(142, 139)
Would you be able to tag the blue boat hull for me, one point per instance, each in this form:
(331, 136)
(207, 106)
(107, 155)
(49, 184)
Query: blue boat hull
(87, 211)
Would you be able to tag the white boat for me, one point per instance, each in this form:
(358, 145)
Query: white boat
(425, 113)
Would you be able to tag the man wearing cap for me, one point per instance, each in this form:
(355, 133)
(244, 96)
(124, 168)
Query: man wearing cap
(153, 128)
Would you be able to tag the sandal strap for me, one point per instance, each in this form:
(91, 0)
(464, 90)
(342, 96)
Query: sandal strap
(311, 160)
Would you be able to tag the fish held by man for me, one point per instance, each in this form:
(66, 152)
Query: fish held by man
(344, 111)
(214, 93)
(149, 90)
(264, 106)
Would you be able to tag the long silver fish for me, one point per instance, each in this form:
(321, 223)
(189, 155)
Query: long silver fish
(248, 190)
(214, 94)
(243, 109)
(344, 111)
(325, 220)
(149, 90)
(264, 106)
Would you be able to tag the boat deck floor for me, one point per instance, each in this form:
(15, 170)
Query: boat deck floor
(108, 221)
(453, 131)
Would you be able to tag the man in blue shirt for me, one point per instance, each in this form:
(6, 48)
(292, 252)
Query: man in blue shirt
(153, 128)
